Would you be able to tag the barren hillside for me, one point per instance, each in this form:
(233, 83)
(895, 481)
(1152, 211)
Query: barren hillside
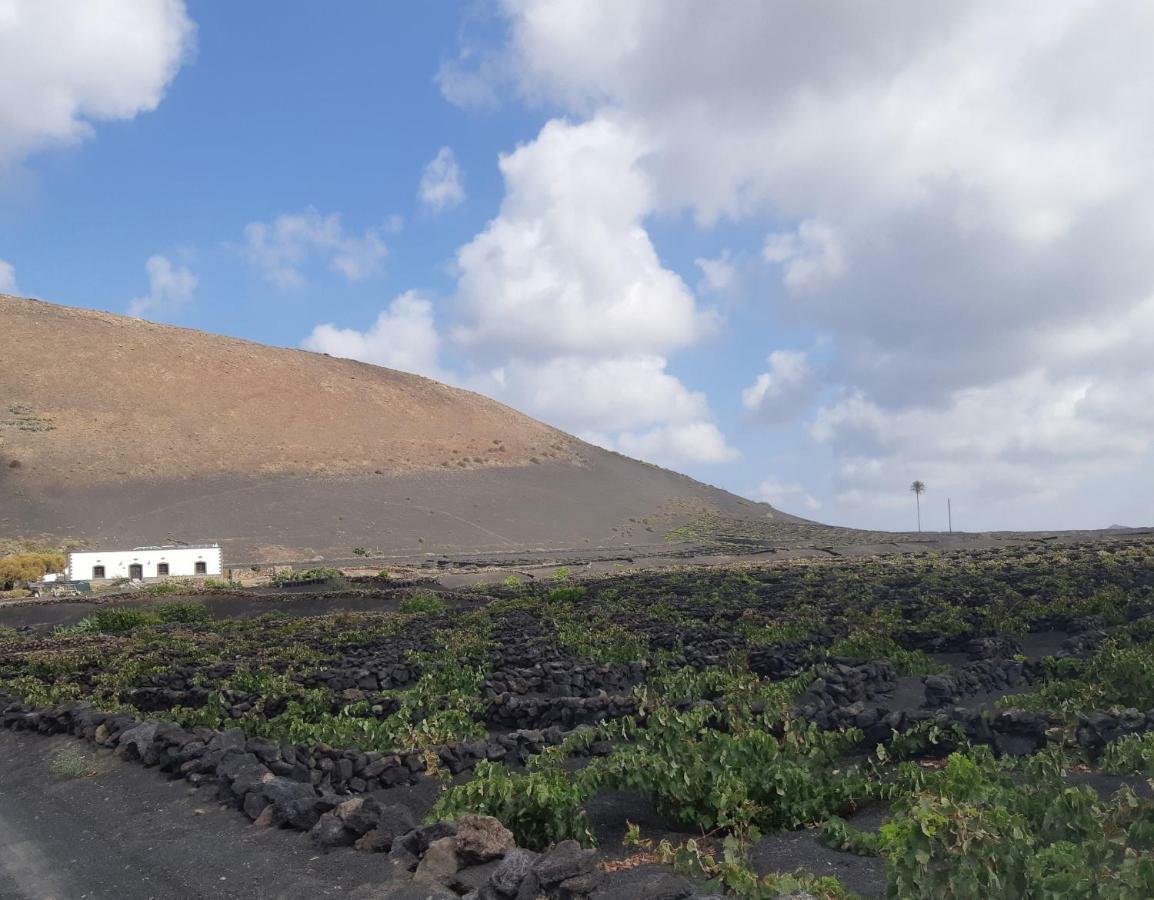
(91, 397)
(113, 429)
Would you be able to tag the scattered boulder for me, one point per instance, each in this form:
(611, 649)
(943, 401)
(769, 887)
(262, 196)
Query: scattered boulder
(667, 887)
(512, 870)
(439, 863)
(374, 841)
(473, 878)
(482, 838)
(330, 832)
(255, 804)
(566, 860)
(414, 891)
(135, 743)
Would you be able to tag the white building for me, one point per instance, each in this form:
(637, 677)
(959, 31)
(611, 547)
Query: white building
(187, 560)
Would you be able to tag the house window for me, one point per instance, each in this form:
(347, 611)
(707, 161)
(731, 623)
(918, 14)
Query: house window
(98, 571)
(161, 569)
(202, 568)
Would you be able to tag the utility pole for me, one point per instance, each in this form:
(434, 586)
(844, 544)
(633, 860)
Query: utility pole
(950, 515)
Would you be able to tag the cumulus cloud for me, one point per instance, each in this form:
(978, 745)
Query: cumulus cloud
(692, 442)
(955, 196)
(404, 336)
(626, 403)
(169, 288)
(719, 275)
(811, 257)
(567, 265)
(562, 306)
(1033, 436)
(442, 182)
(782, 391)
(785, 495)
(564, 291)
(7, 278)
(281, 249)
(69, 64)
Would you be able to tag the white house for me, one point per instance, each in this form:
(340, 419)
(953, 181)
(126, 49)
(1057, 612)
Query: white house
(145, 562)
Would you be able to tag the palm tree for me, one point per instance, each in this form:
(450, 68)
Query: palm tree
(918, 487)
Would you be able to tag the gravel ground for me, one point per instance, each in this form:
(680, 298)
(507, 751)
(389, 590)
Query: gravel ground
(126, 834)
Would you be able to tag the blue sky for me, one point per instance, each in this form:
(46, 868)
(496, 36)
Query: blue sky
(805, 251)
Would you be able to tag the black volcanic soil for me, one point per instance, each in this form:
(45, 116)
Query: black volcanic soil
(126, 835)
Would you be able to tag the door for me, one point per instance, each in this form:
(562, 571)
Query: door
(201, 568)
(136, 571)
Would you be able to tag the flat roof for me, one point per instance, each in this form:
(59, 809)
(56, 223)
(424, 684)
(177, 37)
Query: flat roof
(161, 547)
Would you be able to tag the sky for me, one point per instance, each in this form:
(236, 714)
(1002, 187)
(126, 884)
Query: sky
(805, 251)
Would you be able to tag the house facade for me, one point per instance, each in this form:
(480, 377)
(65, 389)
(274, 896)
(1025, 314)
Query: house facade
(185, 560)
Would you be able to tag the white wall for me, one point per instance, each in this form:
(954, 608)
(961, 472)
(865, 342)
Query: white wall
(181, 562)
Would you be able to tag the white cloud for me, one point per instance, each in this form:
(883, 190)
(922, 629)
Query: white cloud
(7, 278)
(404, 336)
(563, 307)
(442, 182)
(957, 195)
(785, 494)
(567, 266)
(611, 393)
(564, 292)
(626, 403)
(811, 256)
(672, 445)
(1032, 436)
(281, 249)
(169, 288)
(784, 390)
(68, 64)
(718, 275)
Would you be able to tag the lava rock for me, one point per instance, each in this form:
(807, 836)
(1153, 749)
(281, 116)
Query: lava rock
(482, 838)
(440, 863)
(513, 869)
(566, 860)
(135, 743)
(330, 832)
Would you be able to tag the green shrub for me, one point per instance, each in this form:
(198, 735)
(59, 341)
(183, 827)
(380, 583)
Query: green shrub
(220, 584)
(837, 833)
(323, 573)
(869, 645)
(738, 779)
(1130, 755)
(122, 619)
(975, 831)
(541, 806)
(1115, 676)
(171, 586)
(422, 602)
(188, 613)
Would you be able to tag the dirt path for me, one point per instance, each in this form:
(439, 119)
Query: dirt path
(128, 834)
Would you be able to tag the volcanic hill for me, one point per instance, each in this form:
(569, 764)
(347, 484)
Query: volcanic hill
(117, 431)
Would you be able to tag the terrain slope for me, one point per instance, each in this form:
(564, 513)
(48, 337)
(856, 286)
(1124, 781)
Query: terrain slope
(117, 431)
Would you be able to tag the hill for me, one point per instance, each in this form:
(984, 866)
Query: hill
(114, 430)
